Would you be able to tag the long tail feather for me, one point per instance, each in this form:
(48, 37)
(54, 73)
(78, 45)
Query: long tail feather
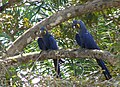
(57, 67)
(104, 68)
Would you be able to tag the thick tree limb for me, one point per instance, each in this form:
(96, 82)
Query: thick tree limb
(56, 54)
(57, 18)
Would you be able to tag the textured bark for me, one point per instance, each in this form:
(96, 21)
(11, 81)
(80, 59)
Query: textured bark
(57, 18)
(56, 54)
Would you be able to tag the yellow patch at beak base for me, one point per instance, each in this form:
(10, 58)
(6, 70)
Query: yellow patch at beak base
(78, 25)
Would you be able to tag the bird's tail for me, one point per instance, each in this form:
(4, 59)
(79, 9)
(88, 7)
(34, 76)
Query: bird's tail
(57, 67)
(104, 68)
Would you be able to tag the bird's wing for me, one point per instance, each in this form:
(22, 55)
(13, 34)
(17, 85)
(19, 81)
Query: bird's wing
(41, 44)
(53, 44)
(78, 39)
(89, 41)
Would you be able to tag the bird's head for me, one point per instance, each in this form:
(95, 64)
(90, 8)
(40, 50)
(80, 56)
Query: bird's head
(76, 24)
(43, 31)
(79, 25)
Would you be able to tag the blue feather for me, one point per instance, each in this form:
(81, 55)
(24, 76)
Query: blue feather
(47, 42)
(85, 40)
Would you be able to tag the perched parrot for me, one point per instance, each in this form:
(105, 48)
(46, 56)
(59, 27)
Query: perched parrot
(85, 40)
(47, 42)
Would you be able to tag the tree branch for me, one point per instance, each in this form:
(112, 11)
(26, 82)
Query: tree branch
(57, 18)
(57, 54)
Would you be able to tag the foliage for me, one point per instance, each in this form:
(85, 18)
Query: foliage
(103, 25)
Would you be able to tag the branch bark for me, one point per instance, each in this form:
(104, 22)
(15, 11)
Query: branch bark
(57, 54)
(57, 18)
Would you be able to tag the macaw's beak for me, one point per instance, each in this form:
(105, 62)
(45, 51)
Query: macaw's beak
(73, 25)
(76, 26)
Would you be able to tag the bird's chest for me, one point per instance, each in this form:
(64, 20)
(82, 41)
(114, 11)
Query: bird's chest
(81, 35)
(84, 36)
(46, 43)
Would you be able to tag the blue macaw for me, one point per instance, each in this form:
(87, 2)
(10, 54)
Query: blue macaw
(47, 42)
(85, 40)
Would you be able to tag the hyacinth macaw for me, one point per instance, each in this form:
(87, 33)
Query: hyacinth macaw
(85, 40)
(47, 42)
